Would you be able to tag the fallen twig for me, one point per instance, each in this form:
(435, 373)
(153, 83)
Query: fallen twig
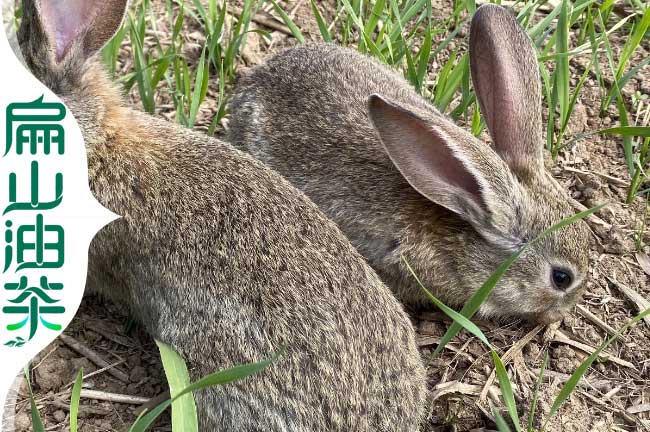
(458, 387)
(152, 403)
(509, 355)
(639, 301)
(113, 397)
(118, 339)
(636, 409)
(619, 411)
(266, 22)
(612, 180)
(93, 357)
(602, 385)
(586, 314)
(84, 410)
(604, 356)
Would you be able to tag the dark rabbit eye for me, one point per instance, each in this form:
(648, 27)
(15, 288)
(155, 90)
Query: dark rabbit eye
(561, 279)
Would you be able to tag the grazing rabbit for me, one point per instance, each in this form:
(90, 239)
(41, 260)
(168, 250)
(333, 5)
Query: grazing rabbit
(224, 260)
(400, 178)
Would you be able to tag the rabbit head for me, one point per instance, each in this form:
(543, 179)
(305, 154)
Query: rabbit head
(59, 41)
(503, 192)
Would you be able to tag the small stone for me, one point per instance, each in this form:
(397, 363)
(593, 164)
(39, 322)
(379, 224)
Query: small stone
(565, 365)
(59, 416)
(79, 363)
(135, 360)
(23, 422)
(532, 350)
(52, 373)
(138, 374)
(592, 335)
(589, 193)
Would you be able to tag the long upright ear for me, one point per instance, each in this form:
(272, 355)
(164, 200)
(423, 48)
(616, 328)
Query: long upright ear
(88, 23)
(447, 165)
(506, 79)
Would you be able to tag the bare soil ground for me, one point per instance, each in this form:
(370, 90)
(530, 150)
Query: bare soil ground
(615, 393)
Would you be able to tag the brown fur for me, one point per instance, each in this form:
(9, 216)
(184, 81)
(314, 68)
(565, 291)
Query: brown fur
(307, 114)
(224, 260)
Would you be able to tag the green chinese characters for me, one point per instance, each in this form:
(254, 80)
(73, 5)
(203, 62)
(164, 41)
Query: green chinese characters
(36, 245)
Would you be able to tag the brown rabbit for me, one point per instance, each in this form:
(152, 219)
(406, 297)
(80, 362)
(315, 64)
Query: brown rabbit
(224, 260)
(399, 178)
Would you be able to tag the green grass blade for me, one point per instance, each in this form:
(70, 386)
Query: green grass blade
(75, 396)
(411, 72)
(627, 140)
(413, 10)
(477, 123)
(572, 102)
(201, 12)
(475, 302)
(458, 318)
(295, 31)
(533, 404)
(470, 5)
(111, 51)
(506, 390)
(636, 131)
(633, 42)
(550, 102)
(562, 71)
(161, 68)
(632, 72)
(143, 77)
(184, 416)
(221, 107)
(218, 378)
(423, 59)
(322, 26)
(375, 15)
(628, 49)
(357, 21)
(178, 23)
(628, 149)
(200, 87)
(442, 78)
(37, 423)
(539, 28)
(454, 81)
(572, 382)
(500, 422)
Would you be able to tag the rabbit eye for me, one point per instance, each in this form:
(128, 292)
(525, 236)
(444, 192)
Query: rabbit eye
(561, 279)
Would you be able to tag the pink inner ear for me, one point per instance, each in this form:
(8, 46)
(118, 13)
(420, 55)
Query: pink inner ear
(65, 21)
(424, 156)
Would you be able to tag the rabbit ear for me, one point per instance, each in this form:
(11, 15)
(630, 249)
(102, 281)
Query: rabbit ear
(507, 83)
(445, 164)
(91, 23)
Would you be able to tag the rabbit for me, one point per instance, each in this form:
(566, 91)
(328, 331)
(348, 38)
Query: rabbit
(401, 180)
(221, 258)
